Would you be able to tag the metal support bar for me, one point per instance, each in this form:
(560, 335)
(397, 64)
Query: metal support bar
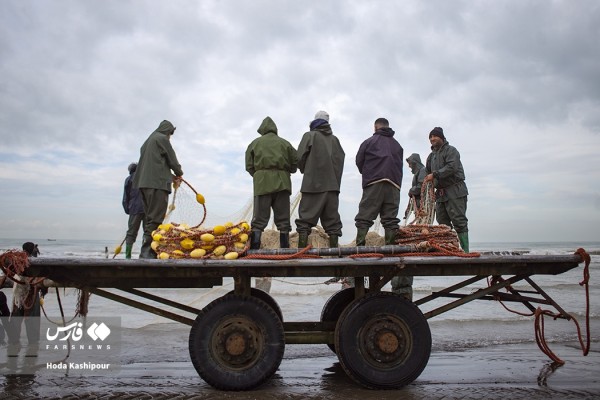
(242, 284)
(534, 285)
(161, 300)
(309, 337)
(477, 295)
(140, 306)
(450, 289)
(359, 287)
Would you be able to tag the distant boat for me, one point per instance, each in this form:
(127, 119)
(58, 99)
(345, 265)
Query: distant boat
(52, 240)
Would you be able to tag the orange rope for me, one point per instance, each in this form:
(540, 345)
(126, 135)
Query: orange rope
(14, 262)
(539, 313)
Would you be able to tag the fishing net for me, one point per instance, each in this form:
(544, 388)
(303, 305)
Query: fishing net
(182, 234)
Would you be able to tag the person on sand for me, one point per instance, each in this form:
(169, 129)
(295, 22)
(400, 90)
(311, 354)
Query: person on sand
(26, 306)
(403, 284)
(134, 207)
(321, 161)
(4, 312)
(271, 160)
(154, 179)
(446, 171)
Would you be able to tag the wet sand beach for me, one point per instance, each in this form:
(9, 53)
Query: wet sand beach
(156, 365)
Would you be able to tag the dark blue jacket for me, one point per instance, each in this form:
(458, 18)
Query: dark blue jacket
(132, 197)
(380, 157)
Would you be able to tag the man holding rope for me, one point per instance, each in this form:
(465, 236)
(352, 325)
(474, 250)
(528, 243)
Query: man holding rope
(154, 179)
(446, 171)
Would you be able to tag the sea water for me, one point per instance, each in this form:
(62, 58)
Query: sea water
(475, 324)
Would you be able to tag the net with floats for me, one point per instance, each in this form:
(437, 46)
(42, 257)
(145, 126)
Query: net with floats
(182, 234)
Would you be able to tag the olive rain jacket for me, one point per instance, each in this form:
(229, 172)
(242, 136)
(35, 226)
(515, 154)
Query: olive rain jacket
(419, 173)
(157, 159)
(320, 159)
(380, 157)
(270, 160)
(449, 176)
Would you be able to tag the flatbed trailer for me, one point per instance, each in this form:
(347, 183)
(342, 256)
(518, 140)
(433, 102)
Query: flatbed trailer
(382, 339)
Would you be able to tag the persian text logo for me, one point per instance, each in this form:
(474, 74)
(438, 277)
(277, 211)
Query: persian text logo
(74, 332)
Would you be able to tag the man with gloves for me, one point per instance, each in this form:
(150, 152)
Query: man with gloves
(446, 171)
(154, 179)
(419, 172)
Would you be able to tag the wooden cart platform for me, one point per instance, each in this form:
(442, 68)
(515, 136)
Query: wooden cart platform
(237, 341)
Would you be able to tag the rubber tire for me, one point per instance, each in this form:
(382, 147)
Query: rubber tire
(267, 298)
(356, 358)
(222, 314)
(334, 307)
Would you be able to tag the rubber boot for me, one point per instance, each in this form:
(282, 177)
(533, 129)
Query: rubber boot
(284, 240)
(255, 240)
(146, 250)
(390, 236)
(463, 238)
(302, 240)
(361, 236)
(128, 251)
(333, 241)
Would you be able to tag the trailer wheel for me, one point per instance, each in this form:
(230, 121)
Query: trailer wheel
(236, 342)
(266, 297)
(334, 307)
(383, 341)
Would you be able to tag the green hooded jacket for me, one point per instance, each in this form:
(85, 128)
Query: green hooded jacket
(270, 160)
(419, 173)
(444, 163)
(157, 159)
(321, 160)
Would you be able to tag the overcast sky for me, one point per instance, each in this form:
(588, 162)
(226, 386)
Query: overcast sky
(514, 84)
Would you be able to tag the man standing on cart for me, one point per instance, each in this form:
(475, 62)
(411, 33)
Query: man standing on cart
(446, 171)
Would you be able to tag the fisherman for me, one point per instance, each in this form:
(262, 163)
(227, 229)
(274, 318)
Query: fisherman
(134, 207)
(321, 161)
(154, 179)
(270, 160)
(379, 160)
(4, 312)
(446, 171)
(419, 172)
(26, 306)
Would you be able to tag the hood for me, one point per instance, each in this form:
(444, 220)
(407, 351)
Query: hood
(166, 128)
(321, 125)
(414, 161)
(414, 158)
(385, 132)
(267, 126)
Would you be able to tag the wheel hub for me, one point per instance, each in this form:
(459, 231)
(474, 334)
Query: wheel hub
(236, 343)
(385, 340)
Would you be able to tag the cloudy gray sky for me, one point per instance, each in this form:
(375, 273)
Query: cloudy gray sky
(514, 84)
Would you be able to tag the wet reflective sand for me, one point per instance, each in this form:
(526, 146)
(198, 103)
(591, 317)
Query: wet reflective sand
(156, 366)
